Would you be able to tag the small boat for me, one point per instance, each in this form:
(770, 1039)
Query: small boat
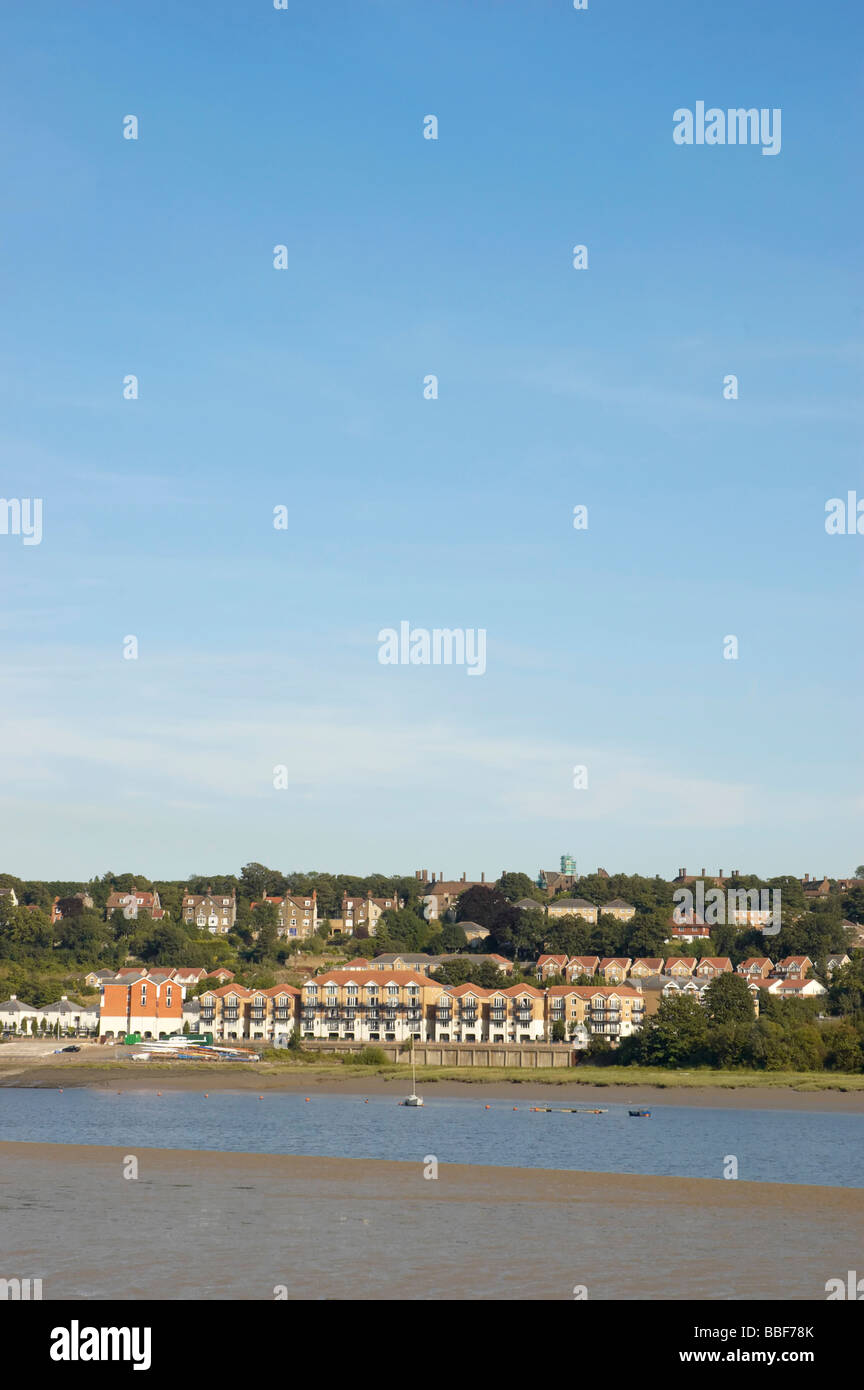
(413, 1099)
(640, 1114)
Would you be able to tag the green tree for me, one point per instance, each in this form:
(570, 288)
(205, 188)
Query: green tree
(676, 1036)
(516, 886)
(728, 1000)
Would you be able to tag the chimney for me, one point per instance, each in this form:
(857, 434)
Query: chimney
(463, 878)
(719, 873)
(483, 878)
(702, 875)
(806, 880)
(682, 873)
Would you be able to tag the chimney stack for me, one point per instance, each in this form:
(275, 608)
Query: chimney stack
(463, 878)
(806, 878)
(483, 878)
(702, 875)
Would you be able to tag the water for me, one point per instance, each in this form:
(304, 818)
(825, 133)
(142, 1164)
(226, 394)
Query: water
(774, 1146)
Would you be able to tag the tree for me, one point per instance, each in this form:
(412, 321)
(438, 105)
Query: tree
(559, 1030)
(481, 905)
(256, 880)
(844, 1049)
(516, 886)
(728, 1000)
(451, 938)
(677, 1033)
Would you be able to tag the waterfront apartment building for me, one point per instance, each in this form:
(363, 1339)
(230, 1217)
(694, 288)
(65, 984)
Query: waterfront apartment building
(231, 1012)
(215, 911)
(606, 1011)
(367, 1006)
(468, 1013)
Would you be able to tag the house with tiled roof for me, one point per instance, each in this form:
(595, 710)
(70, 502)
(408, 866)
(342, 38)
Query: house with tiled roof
(836, 961)
(793, 988)
(71, 1017)
(215, 911)
(816, 888)
(619, 909)
(687, 926)
(577, 966)
(296, 915)
(646, 966)
(793, 968)
(756, 968)
(679, 967)
(135, 901)
(549, 965)
(712, 966)
(474, 932)
(614, 968)
(15, 1015)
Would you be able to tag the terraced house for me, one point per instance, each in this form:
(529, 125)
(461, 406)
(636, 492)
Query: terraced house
(468, 1013)
(606, 1011)
(233, 1012)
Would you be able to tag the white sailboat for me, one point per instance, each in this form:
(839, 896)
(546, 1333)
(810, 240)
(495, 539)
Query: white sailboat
(413, 1099)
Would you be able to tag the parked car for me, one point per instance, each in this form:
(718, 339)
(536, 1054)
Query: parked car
(72, 1048)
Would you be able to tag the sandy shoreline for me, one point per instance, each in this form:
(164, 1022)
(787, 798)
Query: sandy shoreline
(354, 1083)
(331, 1228)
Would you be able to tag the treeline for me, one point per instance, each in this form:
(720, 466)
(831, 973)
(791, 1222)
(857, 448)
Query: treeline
(789, 1035)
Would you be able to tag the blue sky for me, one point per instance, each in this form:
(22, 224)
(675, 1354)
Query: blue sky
(303, 387)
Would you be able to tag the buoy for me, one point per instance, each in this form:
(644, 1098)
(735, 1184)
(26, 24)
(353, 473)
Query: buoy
(487, 1107)
(515, 1107)
(206, 1095)
(307, 1100)
(260, 1097)
(158, 1093)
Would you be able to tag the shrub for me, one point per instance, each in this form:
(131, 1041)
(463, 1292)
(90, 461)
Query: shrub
(369, 1057)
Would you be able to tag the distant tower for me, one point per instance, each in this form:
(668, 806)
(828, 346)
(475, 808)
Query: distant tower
(568, 864)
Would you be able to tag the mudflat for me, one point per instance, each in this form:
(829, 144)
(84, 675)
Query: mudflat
(262, 1226)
